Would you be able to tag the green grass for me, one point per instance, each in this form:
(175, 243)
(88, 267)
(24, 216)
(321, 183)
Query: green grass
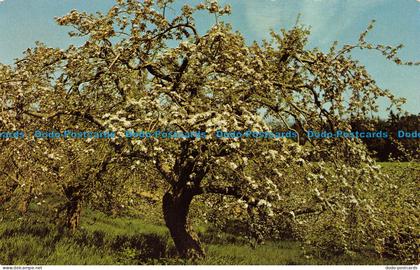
(96, 221)
(399, 165)
(270, 253)
(100, 240)
(103, 240)
(281, 253)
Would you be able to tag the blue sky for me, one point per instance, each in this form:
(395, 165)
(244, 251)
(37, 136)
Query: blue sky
(398, 21)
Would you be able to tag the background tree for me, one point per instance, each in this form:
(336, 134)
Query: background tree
(393, 147)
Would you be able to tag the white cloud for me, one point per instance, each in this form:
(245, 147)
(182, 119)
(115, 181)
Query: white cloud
(266, 14)
(327, 18)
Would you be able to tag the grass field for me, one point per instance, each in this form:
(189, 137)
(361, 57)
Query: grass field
(104, 240)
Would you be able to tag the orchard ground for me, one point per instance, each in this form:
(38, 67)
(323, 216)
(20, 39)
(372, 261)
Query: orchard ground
(140, 239)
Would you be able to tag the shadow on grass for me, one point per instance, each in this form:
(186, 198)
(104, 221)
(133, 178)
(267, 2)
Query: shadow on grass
(102, 240)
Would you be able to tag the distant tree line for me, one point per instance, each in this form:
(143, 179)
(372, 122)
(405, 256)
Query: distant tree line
(392, 148)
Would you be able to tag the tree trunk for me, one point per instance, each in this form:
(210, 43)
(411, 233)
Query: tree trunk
(24, 205)
(175, 211)
(73, 207)
(26, 200)
(74, 210)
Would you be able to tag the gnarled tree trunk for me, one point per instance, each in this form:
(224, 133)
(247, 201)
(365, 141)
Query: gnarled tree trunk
(26, 200)
(175, 210)
(73, 208)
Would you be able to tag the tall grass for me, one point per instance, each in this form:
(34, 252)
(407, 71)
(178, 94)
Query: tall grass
(103, 240)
